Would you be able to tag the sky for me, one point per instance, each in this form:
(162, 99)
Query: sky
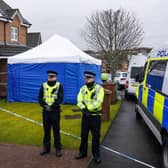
(68, 17)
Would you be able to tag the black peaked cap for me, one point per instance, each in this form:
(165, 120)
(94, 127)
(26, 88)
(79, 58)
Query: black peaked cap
(89, 73)
(52, 73)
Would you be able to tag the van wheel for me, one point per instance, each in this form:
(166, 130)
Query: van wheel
(138, 116)
(165, 155)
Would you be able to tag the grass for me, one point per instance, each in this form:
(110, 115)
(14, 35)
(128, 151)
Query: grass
(19, 131)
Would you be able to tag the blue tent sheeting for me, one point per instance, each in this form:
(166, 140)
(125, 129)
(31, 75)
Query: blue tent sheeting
(24, 80)
(27, 71)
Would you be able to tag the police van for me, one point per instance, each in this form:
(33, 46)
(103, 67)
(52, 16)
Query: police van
(136, 65)
(152, 98)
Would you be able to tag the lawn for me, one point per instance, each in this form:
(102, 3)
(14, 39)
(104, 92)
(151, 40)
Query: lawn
(19, 131)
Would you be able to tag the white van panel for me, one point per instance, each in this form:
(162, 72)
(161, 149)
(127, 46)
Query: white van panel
(150, 125)
(135, 61)
(132, 87)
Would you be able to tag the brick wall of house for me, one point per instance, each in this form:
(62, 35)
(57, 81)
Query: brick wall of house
(22, 32)
(1, 32)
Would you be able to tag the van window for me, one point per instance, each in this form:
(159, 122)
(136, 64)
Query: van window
(135, 71)
(156, 74)
(117, 75)
(124, 74)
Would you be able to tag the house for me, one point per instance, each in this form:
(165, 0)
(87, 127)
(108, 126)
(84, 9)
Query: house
(123, 65)
(14, 38)
(33, 39)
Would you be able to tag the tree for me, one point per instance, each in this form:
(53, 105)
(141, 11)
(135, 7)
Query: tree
(113, 33)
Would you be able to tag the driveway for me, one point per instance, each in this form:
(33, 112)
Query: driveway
(132, 138)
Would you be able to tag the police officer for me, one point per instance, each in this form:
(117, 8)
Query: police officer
(89, 100)
(104, 77)
(50, 98)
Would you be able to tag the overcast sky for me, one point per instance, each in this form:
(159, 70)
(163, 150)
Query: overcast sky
(68, 17)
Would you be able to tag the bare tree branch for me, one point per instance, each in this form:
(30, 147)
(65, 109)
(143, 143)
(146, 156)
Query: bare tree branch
(111, 32)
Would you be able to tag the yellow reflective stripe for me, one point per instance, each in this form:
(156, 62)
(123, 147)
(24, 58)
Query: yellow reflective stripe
(86, 101)
(145, 97)
(80, 105)
(137, 91)
(158, 107)
(96, 114)
(159, 58)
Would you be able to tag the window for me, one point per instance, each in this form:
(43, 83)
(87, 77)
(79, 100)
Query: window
(135, 71)
(156, 74)
(117, 75)
(14, 33)
(124, 74)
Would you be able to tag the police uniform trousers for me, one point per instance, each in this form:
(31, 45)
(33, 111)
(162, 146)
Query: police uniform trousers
(51, 119)
(90, 123)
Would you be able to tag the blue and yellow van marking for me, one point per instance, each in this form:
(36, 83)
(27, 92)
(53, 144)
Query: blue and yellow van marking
(158, 107)
(155, 103)
(139, 94)
(145, 96)
(151, 96)
(165, 114)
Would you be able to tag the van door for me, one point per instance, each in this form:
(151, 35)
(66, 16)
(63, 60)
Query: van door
(132, 84)
(153, 98)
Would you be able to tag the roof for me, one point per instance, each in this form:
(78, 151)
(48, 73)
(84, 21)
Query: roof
(56, 49)
(33, 39)
(3, 8)
(7, 14)
(7, 51)
(157, 53)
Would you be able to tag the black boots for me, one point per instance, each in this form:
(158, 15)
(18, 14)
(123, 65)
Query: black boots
(44, 152)
(80, 156)
(97, 160)
(58, 153)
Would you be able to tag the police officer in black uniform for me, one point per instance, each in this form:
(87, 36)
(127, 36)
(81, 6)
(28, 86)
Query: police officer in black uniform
(50, 98)
(89, 100)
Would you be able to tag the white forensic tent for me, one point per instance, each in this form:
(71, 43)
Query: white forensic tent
(27, 71)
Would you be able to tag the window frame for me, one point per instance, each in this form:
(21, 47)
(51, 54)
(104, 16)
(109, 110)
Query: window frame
(153, 70)
(14, 36)
(156, 63)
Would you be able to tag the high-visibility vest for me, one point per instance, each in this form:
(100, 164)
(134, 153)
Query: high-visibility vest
(92, 99)
(104, 76)
(50, 93)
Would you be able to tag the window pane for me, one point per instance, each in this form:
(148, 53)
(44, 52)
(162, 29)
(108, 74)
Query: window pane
(135, 71)
(156, 74)
(124, 75)
(117, 75)
(14, 33)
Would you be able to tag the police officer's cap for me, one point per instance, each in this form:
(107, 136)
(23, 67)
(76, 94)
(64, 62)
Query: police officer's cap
(89, 74)
(52, 73)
